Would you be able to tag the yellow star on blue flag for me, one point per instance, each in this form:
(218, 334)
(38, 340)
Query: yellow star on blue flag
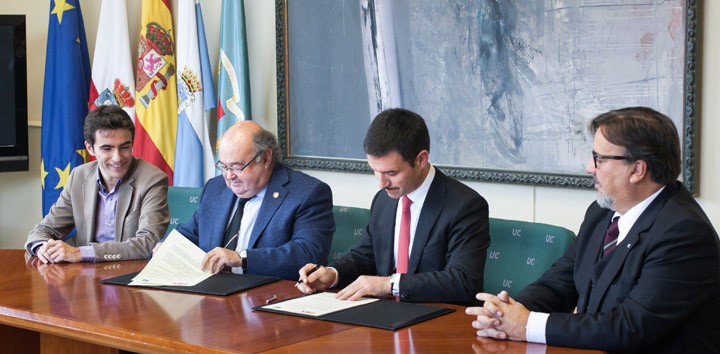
(60, 7)
(63, 175)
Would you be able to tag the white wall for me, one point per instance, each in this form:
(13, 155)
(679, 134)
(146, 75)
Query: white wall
(20, 203)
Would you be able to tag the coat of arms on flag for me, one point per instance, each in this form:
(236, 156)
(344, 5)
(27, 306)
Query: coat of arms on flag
(156, 44)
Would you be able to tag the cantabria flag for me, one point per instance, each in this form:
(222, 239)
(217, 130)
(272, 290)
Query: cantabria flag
(112, 76)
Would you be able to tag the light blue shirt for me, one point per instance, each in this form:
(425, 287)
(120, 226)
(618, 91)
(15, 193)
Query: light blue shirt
(105, 216)
(247, 223)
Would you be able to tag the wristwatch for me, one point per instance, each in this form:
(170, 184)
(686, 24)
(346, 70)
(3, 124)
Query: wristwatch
(243, 259)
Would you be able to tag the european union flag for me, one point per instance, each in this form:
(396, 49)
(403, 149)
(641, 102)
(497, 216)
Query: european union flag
(65, 98)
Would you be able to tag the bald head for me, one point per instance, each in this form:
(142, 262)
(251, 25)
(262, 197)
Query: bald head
(247, 155)
(239, 134)
(250, 135)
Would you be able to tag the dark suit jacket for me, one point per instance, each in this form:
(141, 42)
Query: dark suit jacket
(658, 292)
(449, 250)
(294, 226)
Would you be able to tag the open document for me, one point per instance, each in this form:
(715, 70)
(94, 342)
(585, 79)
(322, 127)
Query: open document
(316, 305)
(176, 263)
(176, 266)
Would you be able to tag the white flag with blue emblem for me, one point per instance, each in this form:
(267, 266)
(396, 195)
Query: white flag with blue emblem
(193, 152)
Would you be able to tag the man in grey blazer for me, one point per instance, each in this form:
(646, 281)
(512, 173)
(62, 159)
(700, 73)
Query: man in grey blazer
(646, 282)
(428, 234)
(117, 204)
(260, 217)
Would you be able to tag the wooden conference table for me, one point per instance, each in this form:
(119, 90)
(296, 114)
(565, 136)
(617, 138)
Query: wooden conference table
(63, 308)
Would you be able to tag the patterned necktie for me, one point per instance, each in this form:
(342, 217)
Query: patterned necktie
(231, 233)
(611, 236)
(404, 240)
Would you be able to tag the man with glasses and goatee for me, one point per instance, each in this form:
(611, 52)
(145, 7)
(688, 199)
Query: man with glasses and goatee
(643, 275)
(260, 217)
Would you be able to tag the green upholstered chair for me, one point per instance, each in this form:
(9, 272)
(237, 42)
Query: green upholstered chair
(520, 252)
(182, 201)
(350, 226)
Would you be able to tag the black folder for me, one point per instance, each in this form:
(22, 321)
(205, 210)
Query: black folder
(223, 283)
(384, 314)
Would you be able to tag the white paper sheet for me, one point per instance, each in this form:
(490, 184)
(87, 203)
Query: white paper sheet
(176, 263)
(317, 304)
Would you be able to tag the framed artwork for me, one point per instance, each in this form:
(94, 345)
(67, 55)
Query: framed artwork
(507, 90)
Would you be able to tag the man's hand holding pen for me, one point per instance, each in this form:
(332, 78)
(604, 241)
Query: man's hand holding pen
(314, 277)
(318, 278)
(307, 274)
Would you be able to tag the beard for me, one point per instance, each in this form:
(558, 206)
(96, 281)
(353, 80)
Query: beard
(605, 201)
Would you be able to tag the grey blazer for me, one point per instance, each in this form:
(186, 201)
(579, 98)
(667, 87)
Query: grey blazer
(141, 220)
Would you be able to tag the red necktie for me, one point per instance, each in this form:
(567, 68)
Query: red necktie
(611, 236)
(404, 241)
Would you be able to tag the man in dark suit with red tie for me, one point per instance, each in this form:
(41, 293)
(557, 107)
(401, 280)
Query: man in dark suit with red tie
(428, 234)
(648, 282)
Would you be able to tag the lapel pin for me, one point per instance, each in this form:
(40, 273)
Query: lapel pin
(276, 195)
(628, 246)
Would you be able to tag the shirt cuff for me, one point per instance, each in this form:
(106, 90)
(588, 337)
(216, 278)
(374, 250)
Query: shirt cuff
(87, 253)
(395, 281)
(535, 329)
(34, 246)
(337, 277)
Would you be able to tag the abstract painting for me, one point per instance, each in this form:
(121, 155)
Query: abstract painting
(507, 88)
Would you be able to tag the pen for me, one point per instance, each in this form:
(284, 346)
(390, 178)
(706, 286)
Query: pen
(316, 267)
(270, 299)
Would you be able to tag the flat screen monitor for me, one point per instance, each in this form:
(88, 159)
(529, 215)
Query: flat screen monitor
(13, 94)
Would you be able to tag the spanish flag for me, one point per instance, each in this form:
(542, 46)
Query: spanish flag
(156, 88)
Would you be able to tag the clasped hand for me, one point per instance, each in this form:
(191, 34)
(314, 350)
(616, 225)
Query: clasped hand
(55, 251)
(500, 317)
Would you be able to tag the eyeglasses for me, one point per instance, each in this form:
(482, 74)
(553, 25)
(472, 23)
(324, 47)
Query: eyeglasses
(236, 168)
(597, 156)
